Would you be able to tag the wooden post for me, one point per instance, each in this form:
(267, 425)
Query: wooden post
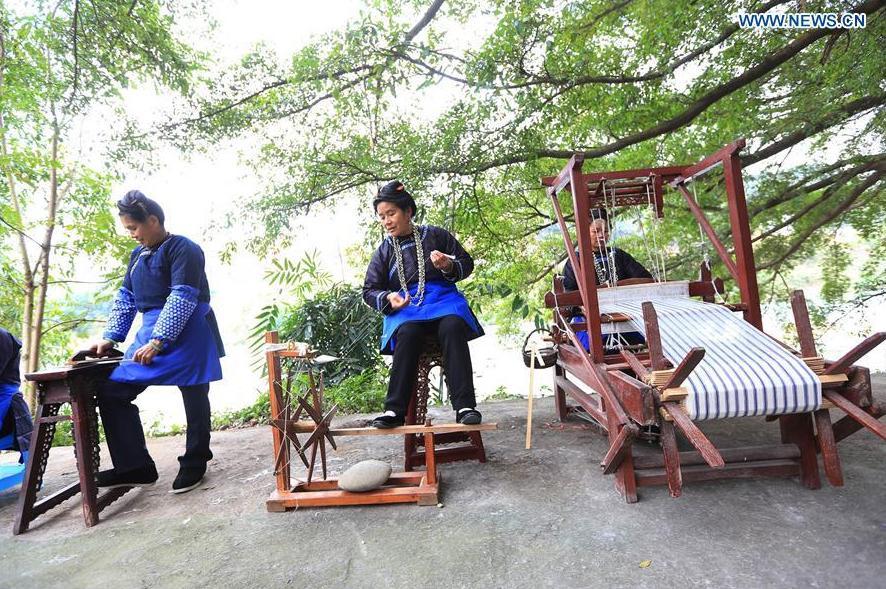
(275, 395)
(653, 337)
(586, 275)
(797, 429)
(430, 459)
(802, 324)
(741, 235)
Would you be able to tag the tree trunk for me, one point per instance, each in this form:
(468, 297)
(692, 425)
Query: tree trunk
(45, 251)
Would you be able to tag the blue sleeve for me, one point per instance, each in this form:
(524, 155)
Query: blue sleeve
(375, 285)
(122, 315)
(187, 263)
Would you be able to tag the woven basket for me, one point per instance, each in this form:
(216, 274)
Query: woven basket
(547, 353)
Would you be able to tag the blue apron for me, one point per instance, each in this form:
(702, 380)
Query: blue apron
(191, 359)
(441, 298)
(7, 390)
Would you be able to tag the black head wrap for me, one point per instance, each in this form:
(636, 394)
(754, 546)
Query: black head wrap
(138, 206)
(395, 193)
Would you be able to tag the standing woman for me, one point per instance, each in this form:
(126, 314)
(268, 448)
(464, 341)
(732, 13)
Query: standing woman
(177, 344)
(411, 281)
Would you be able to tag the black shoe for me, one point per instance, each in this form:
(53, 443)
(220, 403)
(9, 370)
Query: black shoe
(387, 421)
(189, 477)
(469, 417)
(140, 477)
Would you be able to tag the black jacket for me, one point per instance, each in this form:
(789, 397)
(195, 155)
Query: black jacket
(625, 267)
(381, 276)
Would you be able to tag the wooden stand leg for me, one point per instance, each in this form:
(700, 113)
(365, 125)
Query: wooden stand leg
(560, 395)
(671, 458)
(828, 446)
(797, 429)
(38, 453)
(430, 478)
(83, 444)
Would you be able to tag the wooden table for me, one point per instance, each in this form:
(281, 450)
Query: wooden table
(76, 385)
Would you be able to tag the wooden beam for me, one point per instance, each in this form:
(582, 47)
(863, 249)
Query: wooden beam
(712, 161)
(856, 413)
(308, 427)
(744, 470)
(802, 324)
(855, 354)
(619, 448)
(667, 172)
(694, 435)
(730, 455)
(653, 337)
(671, 455)
(709, 231)
(685, 368)
(639, 369)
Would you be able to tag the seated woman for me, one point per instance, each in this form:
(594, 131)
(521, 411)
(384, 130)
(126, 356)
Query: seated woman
(411, 281)
(177, 344)
(611, 264)
(15, 417)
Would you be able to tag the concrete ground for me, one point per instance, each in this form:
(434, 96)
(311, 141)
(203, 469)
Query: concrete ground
(539, 518)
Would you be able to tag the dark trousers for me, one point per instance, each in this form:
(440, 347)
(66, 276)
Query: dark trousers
(123, 428)
(451, 333)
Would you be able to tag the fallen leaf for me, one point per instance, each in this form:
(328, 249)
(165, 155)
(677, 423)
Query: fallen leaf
(645, 564)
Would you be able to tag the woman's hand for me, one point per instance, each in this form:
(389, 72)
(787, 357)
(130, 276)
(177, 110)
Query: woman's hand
(398, 301)
(145, 354)
(101, 348)
(441, 261)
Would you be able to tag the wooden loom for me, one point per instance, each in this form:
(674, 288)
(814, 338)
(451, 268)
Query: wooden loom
(643, 389)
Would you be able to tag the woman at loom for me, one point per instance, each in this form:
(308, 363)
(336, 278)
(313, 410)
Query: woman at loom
(177, 344)
(411, 281)
(611, 264)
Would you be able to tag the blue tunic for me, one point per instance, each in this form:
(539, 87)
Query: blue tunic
(441, 296)
(168, 286)
(9, 375)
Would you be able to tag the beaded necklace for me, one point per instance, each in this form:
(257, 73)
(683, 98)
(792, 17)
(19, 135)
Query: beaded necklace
(419, 260)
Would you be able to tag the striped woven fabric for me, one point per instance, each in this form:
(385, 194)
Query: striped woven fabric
(743, 373)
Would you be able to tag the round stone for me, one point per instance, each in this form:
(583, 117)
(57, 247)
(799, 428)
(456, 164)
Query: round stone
(365, 476)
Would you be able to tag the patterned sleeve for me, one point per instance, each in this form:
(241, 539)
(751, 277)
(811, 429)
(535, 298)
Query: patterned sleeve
(375, 291)
(180, 304)
(122, 314)
(186, 263)
(462, 262)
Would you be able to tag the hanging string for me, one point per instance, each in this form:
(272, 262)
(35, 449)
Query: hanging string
(656, 223)
(706, 256)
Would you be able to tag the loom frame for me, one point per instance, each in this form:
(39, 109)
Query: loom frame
(636, 390)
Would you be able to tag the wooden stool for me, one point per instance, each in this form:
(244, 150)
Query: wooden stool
(418, 409)
(75, 385)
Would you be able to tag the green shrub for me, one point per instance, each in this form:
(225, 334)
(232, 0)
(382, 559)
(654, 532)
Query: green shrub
(339, 323)
(259, 413)
(360, 393)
